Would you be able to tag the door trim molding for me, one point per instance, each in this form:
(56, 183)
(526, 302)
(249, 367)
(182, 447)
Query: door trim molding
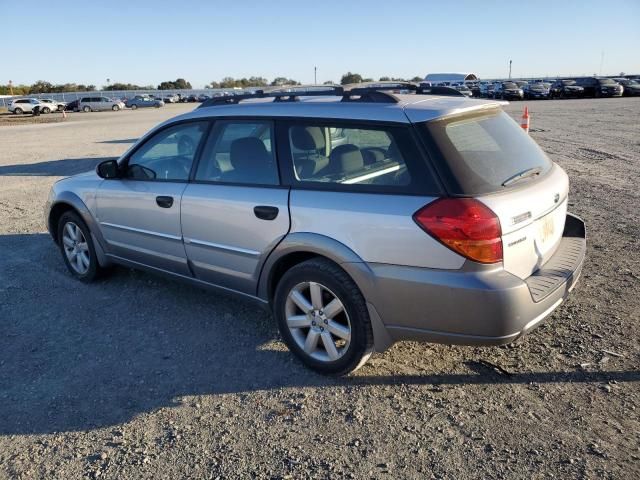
(219, 246)
(140, 230)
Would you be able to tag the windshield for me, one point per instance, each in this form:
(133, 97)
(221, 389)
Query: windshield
(483, 150)
(568, 82)
(509, 85)
(606, 81)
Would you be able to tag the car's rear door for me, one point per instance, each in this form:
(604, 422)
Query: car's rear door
(234, 211)
(139, 214)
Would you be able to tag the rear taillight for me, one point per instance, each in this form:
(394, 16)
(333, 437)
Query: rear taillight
(465, 225)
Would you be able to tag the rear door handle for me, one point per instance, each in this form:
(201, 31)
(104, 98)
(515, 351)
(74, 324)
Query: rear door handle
(265, 212)
(164, 201)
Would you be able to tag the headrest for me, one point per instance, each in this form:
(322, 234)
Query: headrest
(248, 152)
(346, 159)
(307, 138)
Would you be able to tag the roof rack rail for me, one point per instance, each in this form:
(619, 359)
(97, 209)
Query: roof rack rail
(279, 94)
(373, 92)
(378, 92)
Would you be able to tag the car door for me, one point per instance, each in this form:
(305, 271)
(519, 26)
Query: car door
(234, 212)
(139, 213)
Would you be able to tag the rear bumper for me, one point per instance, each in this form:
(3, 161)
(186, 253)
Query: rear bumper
(470, 306)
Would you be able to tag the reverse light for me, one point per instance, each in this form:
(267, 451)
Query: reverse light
(464, 225)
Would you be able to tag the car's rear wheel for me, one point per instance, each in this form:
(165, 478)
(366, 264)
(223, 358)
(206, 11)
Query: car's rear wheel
(323, 317)
(115, 108)
(18, 111)
(78, 250)
(86, 108)
(46, 110)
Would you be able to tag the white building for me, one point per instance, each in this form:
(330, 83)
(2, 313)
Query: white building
(449, 78)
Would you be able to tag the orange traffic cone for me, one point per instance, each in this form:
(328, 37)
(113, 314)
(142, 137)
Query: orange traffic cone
(524, 123)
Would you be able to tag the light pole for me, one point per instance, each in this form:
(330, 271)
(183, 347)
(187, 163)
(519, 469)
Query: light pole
(510, 61)
(315, 75)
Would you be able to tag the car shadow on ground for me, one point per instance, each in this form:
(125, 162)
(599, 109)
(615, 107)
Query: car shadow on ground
(53, 168)
(76, 357)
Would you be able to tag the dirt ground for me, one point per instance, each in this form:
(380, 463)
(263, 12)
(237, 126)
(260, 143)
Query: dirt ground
(140, 377)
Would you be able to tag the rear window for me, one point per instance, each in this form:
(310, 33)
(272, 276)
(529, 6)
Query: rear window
(484, 152)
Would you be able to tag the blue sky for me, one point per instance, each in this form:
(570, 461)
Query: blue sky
(146, 42)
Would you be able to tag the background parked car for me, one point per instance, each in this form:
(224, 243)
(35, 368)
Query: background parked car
(486, 90)
(96, 104)
(466, 91)
(143, 101)
(54, 105)
(537, 90)
(72, 106)
(565, 88)
(508, 91)
(600, 87)
(23, 105)
(631, 87)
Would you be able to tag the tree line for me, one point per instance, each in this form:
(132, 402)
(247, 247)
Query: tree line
(42, 86)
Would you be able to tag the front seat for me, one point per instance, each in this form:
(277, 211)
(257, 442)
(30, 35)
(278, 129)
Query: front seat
(251, 163)
(310, 140)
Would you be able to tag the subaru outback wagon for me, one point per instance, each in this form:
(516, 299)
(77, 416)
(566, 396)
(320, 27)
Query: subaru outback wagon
(358, 216)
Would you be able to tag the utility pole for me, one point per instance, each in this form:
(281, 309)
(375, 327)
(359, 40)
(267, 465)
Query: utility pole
(510, 62)
(315, 75)
(10, 88)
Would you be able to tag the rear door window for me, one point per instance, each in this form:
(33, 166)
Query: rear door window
(484, 152)
(359, 157)
(239, 152)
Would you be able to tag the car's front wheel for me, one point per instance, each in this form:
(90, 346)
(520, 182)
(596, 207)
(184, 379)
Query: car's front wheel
(115, 108)
(46, 110)
(86, 109)
(18, 111)
(78, 250)
(323, 317)
(134, 106)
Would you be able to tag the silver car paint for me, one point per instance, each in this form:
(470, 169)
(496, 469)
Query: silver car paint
(523, 249)
(224, 240)
(414, 289)
(135, 227)
(372, 226)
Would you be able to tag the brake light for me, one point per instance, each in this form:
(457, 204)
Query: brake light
(465, 225)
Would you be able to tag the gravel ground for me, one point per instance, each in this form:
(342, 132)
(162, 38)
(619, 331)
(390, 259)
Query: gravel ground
(140, 377)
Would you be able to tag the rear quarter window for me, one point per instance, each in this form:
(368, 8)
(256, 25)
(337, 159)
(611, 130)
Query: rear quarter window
(477, 153)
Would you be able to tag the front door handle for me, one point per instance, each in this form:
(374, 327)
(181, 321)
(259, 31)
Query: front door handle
(164, 201)
(264, 212)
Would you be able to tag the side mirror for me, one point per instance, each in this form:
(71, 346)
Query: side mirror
(108, 169)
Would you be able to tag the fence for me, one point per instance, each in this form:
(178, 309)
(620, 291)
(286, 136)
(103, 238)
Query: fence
(71, 96)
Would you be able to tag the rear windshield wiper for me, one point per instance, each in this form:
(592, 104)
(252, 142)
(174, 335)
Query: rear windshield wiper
(529, 172)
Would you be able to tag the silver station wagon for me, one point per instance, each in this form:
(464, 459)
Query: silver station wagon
(359, 215)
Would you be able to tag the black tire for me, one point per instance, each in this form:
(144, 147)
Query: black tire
(18, 111)
(331, 276)
(134, 106)
(115, 108)
(86, 109)
(46, 110)
(94, 270)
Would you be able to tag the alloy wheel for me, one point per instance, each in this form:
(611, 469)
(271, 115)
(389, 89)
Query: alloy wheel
(76, 248)
(318, 321)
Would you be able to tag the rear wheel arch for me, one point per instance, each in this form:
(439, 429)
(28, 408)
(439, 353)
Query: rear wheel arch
(300, 247)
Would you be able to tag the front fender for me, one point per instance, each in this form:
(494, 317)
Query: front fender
(70, 199)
